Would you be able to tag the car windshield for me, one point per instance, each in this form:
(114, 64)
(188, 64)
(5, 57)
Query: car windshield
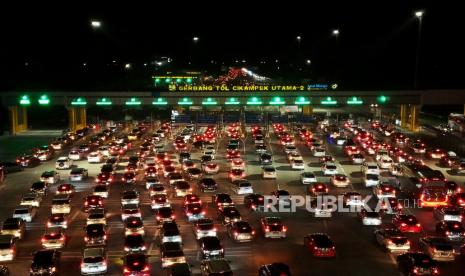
(60, 201)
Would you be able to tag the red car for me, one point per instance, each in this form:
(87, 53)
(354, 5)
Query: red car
(320, 245)
(407, 223)
(435, 153)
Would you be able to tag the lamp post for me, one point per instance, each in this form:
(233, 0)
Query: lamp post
(335, 33)
(418, 14)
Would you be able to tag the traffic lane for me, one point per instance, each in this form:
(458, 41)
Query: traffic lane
(298, 228)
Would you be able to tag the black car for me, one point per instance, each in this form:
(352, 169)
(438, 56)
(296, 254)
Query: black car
(164, 214)
(95, 234)
(134, 243)
(228, 215)
(222, 200)
(45, 262)
(10, 167)
(107, 169)
(412, 263)
(274, 269)
(136, 264)
(184, 156)
(39, 187)
(133, 160)
(255, 202)
(205, 159)
(265, 159)
(180, 269)
(28, 161)
(207, 185)
(210, 247)
(4, 271)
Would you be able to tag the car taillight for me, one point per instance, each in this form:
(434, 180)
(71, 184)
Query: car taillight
(86, 203)
(418, 225)
(126, 270)
(267, 229)
(86, 239)
(104, 237)
(43, 240)
(173, 216)
(284, 229)
(403, 224)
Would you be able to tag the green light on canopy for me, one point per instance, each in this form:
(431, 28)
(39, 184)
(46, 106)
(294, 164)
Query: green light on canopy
(185, 101)
(354, 100)
(277, 101)
(79, 101)
(24, 100)
(328, 101)
(167, 80)
(382, 99)
(209, 101)
(302, 101)
(133, 101)
(232, 101)
(44, 100)
(189, 80)
(157, 80)
(254, 101)
(178, 80)
(160, 101)
(104, 101)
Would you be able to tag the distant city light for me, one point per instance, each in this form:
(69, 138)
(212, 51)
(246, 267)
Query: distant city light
(308, 61)
(127, 66)
(299, 38)
(419, 14)
(195, 38)
(336, 32)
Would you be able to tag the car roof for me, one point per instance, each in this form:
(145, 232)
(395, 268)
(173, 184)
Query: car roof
(94, 252)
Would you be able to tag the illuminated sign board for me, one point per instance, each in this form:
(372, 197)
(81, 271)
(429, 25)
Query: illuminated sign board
(104, 101)
(133, 101)
(236, 88)
(79, 101)
(321, 86)
(24, 100)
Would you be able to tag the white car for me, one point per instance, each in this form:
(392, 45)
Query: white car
(63, 163)
(94, 261)
(371, 180)
(209, 153)
(96, 216)
(26, 213)
(381, 153)
(385, 162)
(242, 187)
(297, 164)
(204, 228)
(269, 172)
(237, 163)
(75, 155)
(321, 210)
(294, 156)
(94, 157)
(61, 204)
(31, 199)
(370, 168)
(211, 168)
(319, 151)
(357, 159)
(78, 174)
(159, 201)
(395, 170)
(103, 150)
(53, 238)
(308, 178)
(329, 168)
(50, 177)
(353, 199)
(340, 180)
(370, 218)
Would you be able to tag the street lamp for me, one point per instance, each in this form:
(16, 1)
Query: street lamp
(336, 33)
(127, 66)
(299, 38)
(308, 61)
(418, 14)
(95, 24)
(195, 39)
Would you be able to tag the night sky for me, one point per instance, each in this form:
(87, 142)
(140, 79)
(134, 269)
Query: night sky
(45, 48)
